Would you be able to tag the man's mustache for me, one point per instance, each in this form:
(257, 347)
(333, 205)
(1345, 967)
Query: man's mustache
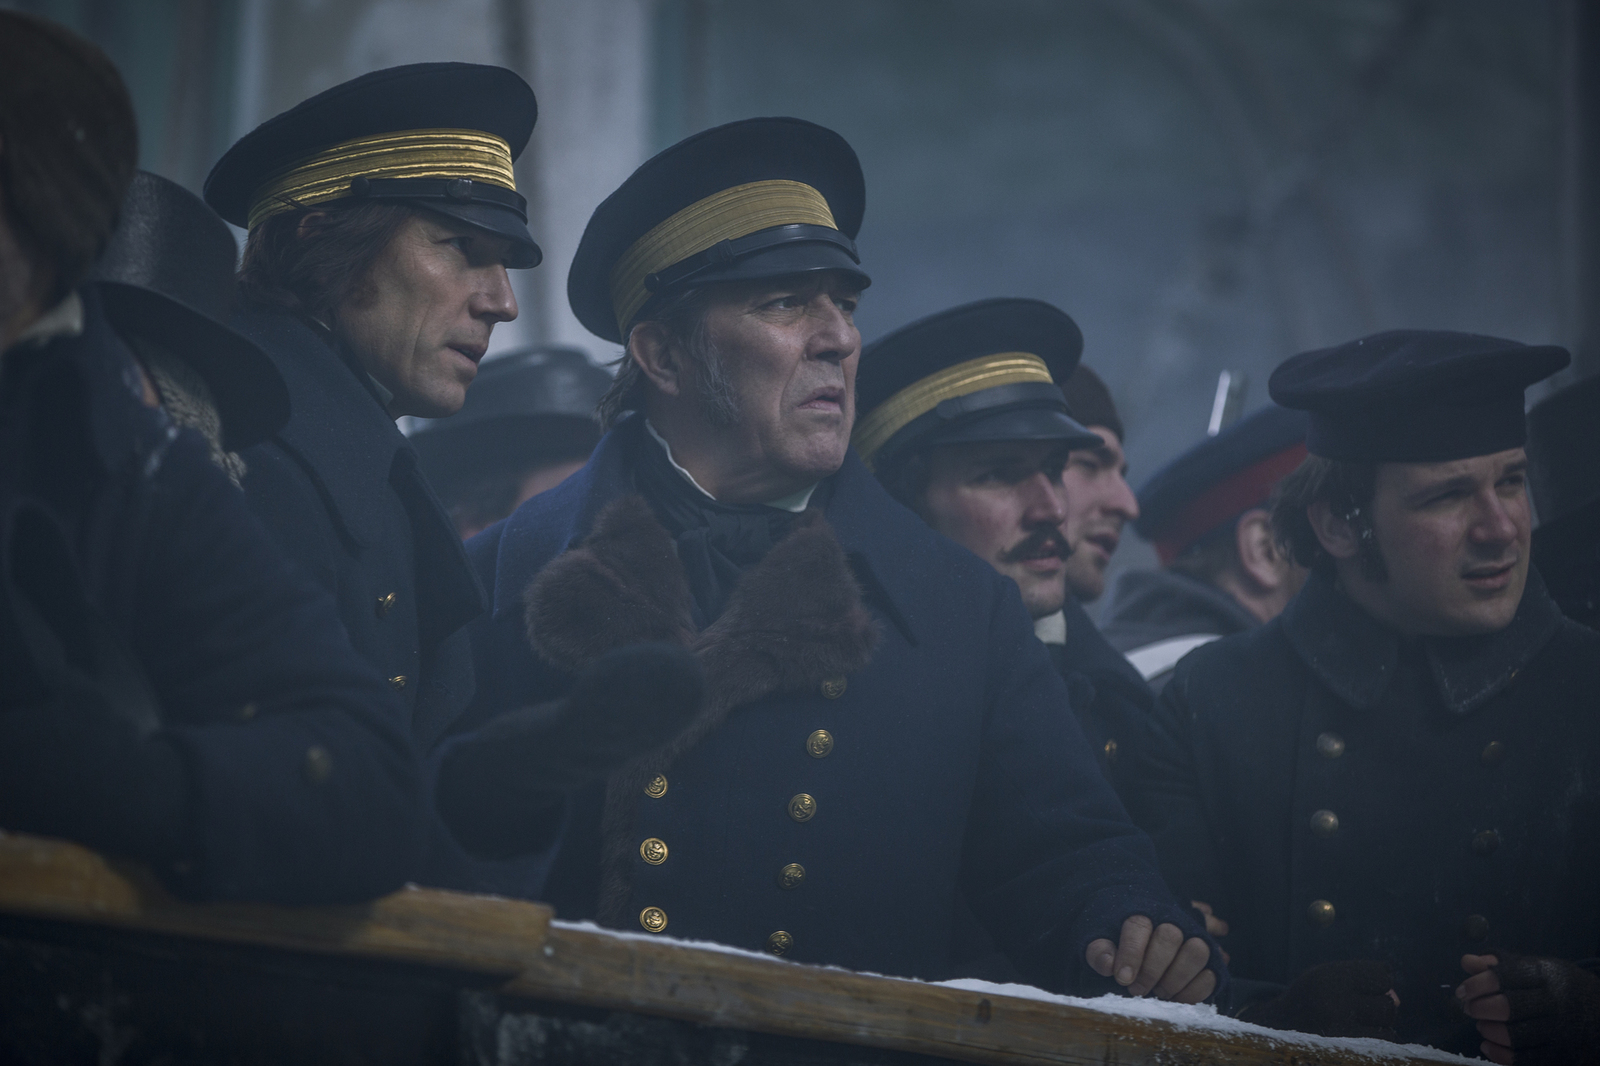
(1037, 545)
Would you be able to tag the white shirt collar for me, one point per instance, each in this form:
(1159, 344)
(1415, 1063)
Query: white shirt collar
(65, 319)
(795, 501)
(1052, 628)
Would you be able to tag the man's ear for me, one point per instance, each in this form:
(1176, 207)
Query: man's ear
(653, 349)
(309, 223)
(1259, 555)
(1334, 532)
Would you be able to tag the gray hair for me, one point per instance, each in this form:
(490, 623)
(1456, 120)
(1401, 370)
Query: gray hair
(683, 317)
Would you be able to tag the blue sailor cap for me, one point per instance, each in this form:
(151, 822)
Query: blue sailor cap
(985, 371)
(1414, 396)
(759, 198)
(442, 136)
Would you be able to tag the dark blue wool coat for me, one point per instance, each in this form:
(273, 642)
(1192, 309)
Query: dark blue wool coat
(957, 763)
(244, 654)
(1459, 776)
(340, 489)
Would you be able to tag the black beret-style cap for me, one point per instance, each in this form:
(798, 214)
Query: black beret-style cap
(524, 408)
(985, 371)
(1220, 479)
(759, 198)
(295, 159)
(167, 277)
(1414, 396)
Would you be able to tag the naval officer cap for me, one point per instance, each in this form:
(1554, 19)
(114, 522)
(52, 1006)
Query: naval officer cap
(760, 198)
(1414, 396)
(1219, 479)
(441, 136)
(983, 372)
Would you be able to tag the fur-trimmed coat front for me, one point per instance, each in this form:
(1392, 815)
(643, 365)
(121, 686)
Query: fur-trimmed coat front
(952, 762)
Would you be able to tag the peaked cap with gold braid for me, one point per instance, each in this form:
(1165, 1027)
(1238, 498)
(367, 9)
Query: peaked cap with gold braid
(760, 198)
(438, 135)
(981, 372)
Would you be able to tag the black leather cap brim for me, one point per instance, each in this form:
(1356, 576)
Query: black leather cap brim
(1024, 423)
(251, 397)
(500, 221)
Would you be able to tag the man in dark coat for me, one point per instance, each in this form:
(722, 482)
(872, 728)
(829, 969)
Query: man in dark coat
(991, 480)
(881, 729)
(1393, 770)
(1222, 571)
(172, 689)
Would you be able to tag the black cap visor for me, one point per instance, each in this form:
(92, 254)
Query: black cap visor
(802, 255)
(1024, 412)
(495, 219)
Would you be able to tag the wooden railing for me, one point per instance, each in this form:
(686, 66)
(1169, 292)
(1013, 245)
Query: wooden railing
(514, 950)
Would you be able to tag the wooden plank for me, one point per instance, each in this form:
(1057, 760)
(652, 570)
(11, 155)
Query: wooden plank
(583, 966)
(772, 996)
(480, 934)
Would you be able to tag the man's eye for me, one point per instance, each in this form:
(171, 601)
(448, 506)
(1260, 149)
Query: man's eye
(462, 245)
(845, 304)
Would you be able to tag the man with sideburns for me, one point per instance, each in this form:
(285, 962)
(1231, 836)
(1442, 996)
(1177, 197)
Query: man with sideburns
(1391, 780)
(383, 217)
(881, 731)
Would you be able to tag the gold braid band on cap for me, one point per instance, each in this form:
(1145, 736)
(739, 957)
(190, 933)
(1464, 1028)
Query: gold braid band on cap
(963, 379)
(470, 154)
(724, 216)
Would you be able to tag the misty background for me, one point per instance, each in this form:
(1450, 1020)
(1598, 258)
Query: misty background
(1204, 185)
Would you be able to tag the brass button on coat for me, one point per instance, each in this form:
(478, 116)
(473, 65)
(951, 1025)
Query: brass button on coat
(653, 851)
(791, 875)
(1320, 912)
(247, 712)
(654, 919)
(1111, 750)
(833, 688)
(384, 605)
(1330, 745)
(656, 787)
(803, 807)
(780, 942)
(1493, 752)
(398, 682)
(1324, 823)
(819, 744)
(318, 764)
(1476, 927)
(1486, 842)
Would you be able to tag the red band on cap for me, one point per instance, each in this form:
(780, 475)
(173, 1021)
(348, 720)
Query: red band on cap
(1250, 487)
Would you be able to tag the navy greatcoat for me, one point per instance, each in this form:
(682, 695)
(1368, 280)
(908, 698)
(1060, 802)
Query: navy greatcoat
(954, 763)
(1112, 700)
(1338, 793)
(340, 489)
(302, 786)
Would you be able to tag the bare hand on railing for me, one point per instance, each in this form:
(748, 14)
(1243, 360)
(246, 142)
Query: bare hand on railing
(1155, 960)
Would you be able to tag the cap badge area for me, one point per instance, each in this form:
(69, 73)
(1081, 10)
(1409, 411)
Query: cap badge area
(724, 216)
(920, 397)
(467, 155)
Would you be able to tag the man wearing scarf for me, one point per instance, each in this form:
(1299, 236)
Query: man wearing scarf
(881, 731)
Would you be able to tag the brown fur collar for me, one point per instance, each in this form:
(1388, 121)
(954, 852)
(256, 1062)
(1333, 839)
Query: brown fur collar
(794, 620)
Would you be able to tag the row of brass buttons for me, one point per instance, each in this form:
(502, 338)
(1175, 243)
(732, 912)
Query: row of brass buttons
(802, 808)
(1325, 823)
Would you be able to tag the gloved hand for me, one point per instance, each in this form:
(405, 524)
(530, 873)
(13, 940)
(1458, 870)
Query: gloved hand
(1353, 997)
(76, 768)
(1533, 1011)
(500, 789)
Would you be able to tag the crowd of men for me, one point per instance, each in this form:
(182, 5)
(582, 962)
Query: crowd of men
(769, 639)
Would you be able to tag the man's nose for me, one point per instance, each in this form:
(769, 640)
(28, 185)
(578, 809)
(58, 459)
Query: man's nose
(835, 337)
(1121, 500)
(1046, 501)
(1495, 525)
(495, 299)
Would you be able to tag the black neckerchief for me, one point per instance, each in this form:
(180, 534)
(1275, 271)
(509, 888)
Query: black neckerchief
(716, 541)
(1356, 656)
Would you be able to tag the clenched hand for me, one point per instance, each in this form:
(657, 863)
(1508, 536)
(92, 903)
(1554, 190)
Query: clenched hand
(1155, 959)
